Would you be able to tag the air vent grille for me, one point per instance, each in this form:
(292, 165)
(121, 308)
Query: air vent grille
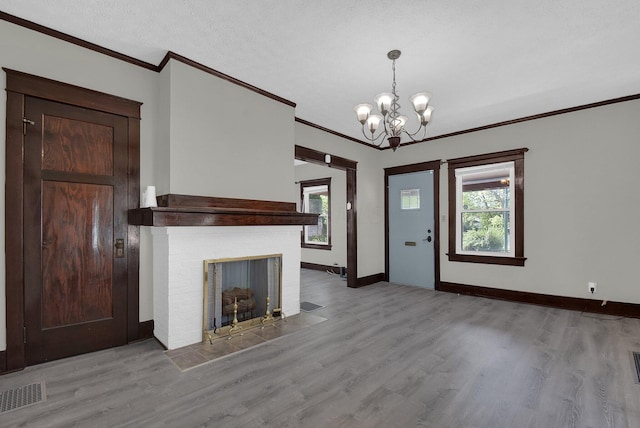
(22, 396)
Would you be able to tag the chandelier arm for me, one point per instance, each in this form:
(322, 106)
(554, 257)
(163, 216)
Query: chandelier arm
(384, 125)
(411, 135)
(373, 139)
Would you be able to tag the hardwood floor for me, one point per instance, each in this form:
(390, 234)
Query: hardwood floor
(387, 356)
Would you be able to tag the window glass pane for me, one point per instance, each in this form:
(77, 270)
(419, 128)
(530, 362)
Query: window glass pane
(487, 199)
(410, 199)
(316, 201)
(486, 231)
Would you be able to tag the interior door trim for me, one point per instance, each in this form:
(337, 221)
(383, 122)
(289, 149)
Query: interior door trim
(405, 169)
(350, 167)
(19, 86)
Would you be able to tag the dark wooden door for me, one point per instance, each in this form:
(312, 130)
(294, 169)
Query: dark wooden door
(75, 212)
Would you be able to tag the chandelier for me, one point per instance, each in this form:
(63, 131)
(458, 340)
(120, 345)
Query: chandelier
(392, 121)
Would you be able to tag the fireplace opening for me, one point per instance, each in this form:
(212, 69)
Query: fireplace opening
(240, 292)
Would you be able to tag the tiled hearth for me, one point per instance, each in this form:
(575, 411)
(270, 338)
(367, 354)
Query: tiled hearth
(195, 355)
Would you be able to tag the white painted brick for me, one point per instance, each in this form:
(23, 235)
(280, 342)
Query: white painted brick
(178, 266)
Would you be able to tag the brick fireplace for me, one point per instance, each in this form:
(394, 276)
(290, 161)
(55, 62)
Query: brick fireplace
(183, 237)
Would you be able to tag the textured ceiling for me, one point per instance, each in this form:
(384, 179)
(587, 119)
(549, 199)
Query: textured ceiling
(483, 61)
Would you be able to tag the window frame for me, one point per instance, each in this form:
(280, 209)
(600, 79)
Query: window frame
(516, 256)
(314, 183)
(460, 210)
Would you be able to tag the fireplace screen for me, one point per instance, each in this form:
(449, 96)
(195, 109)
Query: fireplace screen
(245, 289)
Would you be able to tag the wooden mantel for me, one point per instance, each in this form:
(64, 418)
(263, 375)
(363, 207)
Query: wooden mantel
(185, 210)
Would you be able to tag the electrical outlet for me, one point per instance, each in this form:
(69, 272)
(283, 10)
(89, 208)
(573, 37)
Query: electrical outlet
(592, 287)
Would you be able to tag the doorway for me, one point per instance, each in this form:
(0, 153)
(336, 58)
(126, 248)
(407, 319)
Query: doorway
(350, 167)
(411, 225)
(70, 288)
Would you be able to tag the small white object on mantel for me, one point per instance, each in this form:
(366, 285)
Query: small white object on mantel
(149, 197)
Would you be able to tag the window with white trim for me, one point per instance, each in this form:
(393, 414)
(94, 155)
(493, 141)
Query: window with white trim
(486, 208)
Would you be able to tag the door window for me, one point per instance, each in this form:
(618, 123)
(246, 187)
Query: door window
(410, 199)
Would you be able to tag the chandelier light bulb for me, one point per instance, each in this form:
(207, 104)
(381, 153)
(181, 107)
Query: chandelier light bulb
(373, 121)
(383, 101)
(420, 102)
(425, 117)
(397, 125)
(362, 112)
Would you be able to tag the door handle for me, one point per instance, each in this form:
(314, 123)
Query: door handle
(428, 239)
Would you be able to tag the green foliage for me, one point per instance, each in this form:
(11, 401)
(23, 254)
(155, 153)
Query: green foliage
(485, 230)
(486, 199)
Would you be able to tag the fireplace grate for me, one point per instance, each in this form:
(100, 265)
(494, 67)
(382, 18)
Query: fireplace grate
(308, 307)
(22, 396)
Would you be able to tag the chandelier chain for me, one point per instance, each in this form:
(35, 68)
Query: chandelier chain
(394, 113)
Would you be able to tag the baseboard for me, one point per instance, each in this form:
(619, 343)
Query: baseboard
(630, 310)
(146, 329)
(371, 279)
(324, 268)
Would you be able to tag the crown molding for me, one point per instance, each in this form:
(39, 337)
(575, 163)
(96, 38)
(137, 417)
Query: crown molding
(332, 132)
(177, 57)
(528, 118)
(75, 40)
(134, 61)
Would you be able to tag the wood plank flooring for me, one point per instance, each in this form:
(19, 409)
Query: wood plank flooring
(387, 356)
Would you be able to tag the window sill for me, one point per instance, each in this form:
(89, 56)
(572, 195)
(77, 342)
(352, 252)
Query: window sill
(489, 260)
(316, 246)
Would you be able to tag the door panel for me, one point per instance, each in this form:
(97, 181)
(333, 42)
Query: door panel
(411, 230)
(77, 251)
(75, 208)
(65, 148)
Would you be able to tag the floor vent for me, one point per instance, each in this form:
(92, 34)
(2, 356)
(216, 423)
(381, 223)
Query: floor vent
(22, 396)
(636, 362)
(308, 307)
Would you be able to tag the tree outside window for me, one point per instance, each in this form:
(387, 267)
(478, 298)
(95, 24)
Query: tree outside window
(485, 208)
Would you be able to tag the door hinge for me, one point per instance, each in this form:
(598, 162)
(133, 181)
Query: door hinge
(24, 334)
(26, 122)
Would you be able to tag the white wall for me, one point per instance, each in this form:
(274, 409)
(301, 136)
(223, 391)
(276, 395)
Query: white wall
(581, 202)
(338, 253)
(214, 152)
(34, 53)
